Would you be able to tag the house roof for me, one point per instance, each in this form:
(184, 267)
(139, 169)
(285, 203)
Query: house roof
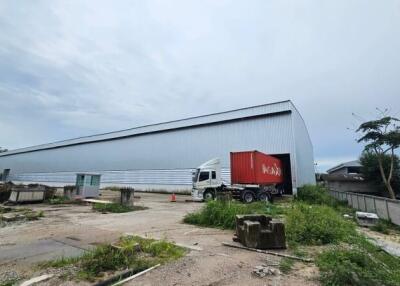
(355, 163)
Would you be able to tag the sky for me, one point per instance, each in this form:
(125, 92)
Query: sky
(75, 68)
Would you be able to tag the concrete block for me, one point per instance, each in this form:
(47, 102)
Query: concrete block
(260, 231)
(367, 219)
(127, 195)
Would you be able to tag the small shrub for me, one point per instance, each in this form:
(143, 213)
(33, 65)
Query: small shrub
(116, 208)
(361, 264)
(58, 201)
(222, 214)
(315, 194)
(316, 225)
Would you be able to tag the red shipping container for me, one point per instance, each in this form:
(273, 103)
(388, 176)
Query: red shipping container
(253, 167)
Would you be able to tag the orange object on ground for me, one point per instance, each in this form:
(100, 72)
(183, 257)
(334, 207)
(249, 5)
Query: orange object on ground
(173, 198)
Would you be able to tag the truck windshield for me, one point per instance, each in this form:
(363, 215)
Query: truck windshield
(195, 175)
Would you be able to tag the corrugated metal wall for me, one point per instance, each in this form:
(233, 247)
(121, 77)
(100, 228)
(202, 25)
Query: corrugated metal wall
(168, 157)
(305, 171)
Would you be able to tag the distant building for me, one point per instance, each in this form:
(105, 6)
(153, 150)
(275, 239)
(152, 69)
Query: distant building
(347, 177)
(352, 167)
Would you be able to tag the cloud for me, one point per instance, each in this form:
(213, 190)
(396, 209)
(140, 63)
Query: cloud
(75, 68)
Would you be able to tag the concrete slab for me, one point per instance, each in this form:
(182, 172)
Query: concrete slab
(41, 250)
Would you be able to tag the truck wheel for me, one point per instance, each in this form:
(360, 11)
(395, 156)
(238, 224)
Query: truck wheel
(263, 196)
(208, 195)
(248, 197)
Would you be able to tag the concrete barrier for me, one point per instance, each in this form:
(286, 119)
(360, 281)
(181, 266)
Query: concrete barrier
(385, 208)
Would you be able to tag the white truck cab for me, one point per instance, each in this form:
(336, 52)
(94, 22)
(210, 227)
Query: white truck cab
(206, 179)
(207, 182)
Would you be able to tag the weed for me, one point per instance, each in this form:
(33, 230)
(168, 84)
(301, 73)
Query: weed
(108, 258)
(385, 226)
(286, 265)
(9, 282)
(116, 208)
(360, 263)
(58, 201)
(32, 215)
(316, 194)
(222, 214)
(59, 262)
(316, 225)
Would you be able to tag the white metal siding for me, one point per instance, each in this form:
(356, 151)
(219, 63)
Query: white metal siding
(304, 152)
(167, 157)
(177, 149)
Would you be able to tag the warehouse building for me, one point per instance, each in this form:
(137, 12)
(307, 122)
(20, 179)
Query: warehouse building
(162, 156)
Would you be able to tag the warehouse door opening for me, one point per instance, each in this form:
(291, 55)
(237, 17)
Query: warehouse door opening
(287, 173)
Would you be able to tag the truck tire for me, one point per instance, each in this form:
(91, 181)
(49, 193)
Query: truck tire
(248, 197)
(209, 195)
(265, 196)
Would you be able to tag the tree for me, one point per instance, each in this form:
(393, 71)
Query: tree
(3, 150)
(371, 172)
(383, 138)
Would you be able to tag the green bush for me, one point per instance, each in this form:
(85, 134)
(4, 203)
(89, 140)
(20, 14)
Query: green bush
(123, 256)
(222, 214)
(115, 208)
(360, 264)
(316, 225)
(315, 194)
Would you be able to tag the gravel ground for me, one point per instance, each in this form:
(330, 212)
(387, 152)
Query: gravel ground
(77, 228)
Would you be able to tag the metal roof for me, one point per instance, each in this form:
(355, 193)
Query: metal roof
(355, 163)
(237, 114)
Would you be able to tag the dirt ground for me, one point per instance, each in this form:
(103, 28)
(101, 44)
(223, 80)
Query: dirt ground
(70, 229)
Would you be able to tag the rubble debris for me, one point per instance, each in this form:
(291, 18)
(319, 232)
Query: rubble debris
(260, 231)
(9, 277)
(262, 271)
(22, 193)
(12, 217)
(96, 201)
(37, 279)
(367, 219)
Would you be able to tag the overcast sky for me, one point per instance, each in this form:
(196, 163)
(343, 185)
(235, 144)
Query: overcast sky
(73, 68)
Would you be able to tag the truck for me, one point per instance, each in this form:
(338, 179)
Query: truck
(254, 176)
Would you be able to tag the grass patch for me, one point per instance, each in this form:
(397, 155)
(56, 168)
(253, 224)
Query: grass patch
(10, 282)
(315, 218)
(385, 226)
(286, 265)
(359, 263)
(116, 208)
(221, 214)
(59, 201)
(132, 252)
(31, 215)
(318, 195)
(316, 225)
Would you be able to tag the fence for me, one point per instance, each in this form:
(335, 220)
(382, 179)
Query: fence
(385, 208)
